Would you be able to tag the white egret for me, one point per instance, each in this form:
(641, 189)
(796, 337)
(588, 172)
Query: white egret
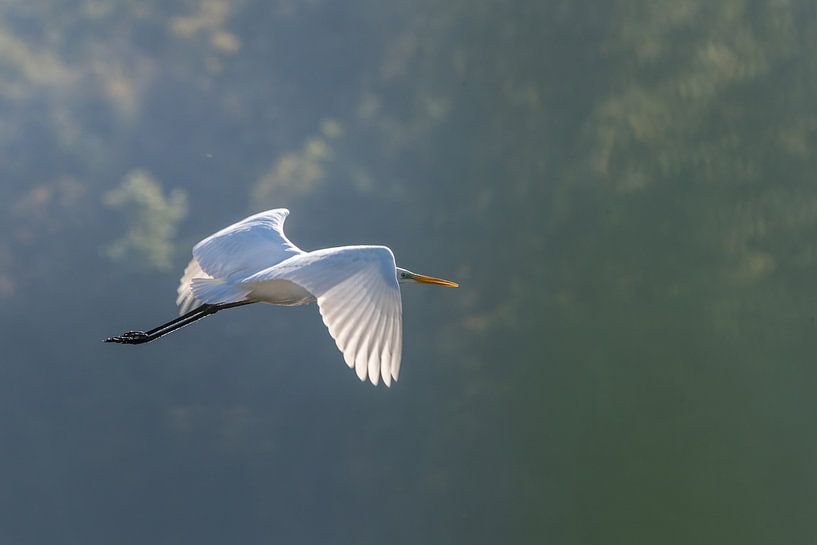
(252, 261)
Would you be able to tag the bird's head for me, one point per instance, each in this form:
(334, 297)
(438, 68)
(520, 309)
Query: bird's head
(404, 276)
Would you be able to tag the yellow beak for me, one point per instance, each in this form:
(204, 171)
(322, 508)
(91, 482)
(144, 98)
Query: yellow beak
(423, 279)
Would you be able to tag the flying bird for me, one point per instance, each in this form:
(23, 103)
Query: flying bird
(357, 289)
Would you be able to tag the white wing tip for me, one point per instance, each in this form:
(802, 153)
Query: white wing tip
(360, 368)
(282, 213)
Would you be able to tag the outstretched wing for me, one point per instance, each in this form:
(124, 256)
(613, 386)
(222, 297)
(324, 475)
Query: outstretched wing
(240, 250)
(244, 248)
(359, 300)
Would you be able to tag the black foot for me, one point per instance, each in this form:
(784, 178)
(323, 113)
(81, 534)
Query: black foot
(129, 337)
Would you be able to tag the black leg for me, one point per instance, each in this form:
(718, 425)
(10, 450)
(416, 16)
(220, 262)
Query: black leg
(141, 337)
(195, 312)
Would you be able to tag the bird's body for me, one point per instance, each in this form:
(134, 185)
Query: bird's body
(252, 261)
(280, 292)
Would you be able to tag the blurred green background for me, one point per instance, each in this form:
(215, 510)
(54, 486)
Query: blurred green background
(625, 190)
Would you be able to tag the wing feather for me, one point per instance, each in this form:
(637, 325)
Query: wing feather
(341, 310)
(246, 247)
(361, 329)
(186, 298)
(359, 300)
(385, 354)
(375, 343)
(397, 353)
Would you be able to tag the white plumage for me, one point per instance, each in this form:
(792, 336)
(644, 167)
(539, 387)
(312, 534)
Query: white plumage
(356, 287)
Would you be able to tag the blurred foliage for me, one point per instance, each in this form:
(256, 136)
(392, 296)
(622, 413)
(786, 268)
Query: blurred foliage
(154, 223)
(625, 190)
(687, 115)
(299, 173)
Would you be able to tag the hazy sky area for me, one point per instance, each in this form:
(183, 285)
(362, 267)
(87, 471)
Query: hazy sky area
(624, 189)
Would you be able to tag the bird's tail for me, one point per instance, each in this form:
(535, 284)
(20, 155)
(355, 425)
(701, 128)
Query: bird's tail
(214, 291)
